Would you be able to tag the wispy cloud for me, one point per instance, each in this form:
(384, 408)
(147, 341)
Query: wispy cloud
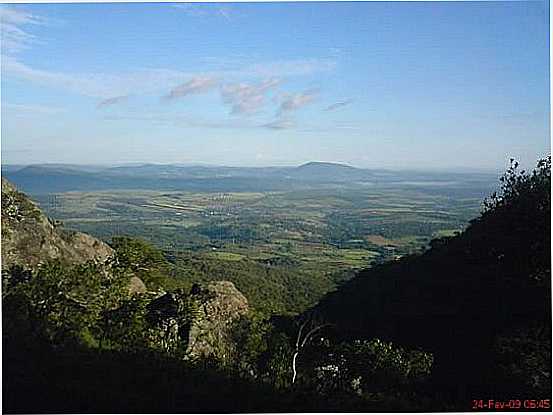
(280, 124)
(12, 22)
(196, 85)
(339, 104)
(185, 120)
(112, 101)
(203, 10)
(244, 85)
(225, 12)
(293, 102)
(190, 9)
(97, 85)
(247, 98)
(289, 104)
(150, 81)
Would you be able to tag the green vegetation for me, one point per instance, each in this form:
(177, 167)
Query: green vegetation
(81, 323)
(143, 260)
(226, 256)
(429, 331)
(61, 304)
(284, 250)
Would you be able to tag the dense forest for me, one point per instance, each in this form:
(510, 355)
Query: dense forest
(467, 319)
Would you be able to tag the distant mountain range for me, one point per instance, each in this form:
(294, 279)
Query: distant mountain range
(51, 178)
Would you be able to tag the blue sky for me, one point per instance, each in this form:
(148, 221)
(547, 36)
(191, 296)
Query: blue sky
(437, 85)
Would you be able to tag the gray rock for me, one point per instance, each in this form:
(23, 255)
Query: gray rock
(210, 332)
(199, 322)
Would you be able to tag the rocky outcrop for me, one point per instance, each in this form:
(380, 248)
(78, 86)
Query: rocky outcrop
(29, 238)
(200, 322)
(221, 304)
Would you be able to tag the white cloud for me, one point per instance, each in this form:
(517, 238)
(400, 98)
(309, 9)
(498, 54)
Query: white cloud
(289, 103)
(247, 98)
(243, 97)
(293, 102)
(150, 81)
(204, 10)
(190, 9)
(9, 14)
(196, 85)
(13, 37)
(97, 85)
(225, 12)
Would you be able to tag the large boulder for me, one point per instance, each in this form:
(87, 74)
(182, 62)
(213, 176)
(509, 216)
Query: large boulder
(221, 304)
(199, 322)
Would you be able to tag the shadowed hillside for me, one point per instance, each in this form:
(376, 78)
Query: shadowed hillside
(480, 301)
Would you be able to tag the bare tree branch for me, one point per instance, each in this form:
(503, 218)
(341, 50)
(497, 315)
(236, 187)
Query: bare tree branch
(300, 343)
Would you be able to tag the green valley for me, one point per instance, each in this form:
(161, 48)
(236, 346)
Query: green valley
(283, 249)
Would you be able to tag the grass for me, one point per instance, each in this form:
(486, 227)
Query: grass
(226, 256)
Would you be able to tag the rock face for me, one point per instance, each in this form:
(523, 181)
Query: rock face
(29, 237)
(200, 322)
(221, 304)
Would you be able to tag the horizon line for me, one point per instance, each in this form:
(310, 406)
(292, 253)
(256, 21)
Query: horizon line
(287, 165)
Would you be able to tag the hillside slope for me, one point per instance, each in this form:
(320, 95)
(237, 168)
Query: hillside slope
(30, 238)
(332, 172)
(468, 295)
